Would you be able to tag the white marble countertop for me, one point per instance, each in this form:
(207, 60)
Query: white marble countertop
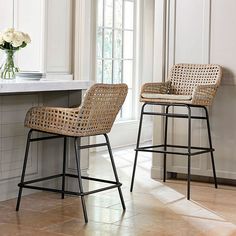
(25, 86)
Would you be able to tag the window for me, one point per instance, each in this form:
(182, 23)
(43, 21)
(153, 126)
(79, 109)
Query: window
(115, 47)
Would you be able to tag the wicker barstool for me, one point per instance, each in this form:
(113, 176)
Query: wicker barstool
(95, 116)
(190, 86)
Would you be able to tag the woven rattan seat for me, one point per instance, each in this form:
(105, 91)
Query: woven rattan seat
(95, 116)
(192, 86)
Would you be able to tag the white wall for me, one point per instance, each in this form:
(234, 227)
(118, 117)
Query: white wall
(49, 23)
(203, 32)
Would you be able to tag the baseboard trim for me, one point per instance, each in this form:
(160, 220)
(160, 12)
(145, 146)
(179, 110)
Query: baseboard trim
(203, 179)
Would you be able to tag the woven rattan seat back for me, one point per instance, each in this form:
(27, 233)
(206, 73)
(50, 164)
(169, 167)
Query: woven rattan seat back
(100, 107)
(185, 77)
(96, 115)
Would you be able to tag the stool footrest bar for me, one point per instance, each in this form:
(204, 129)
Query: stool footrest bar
(174, 115)
(69, 192)
(92, 146)
(45, 138)
(92, 179)
(68, 175)
(199, 150)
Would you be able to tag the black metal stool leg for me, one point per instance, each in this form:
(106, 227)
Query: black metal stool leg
(165, 143)
(64, 168)
(23, 170)
(189, 152)
(114, 170)
(137, 146)
(77, 142)
(210, 143)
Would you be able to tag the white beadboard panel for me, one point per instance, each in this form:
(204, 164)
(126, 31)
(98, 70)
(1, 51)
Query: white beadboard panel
(188, 31)
(6, 18)
(9, 130)
(14, 108)
(12, 161)
(13, 136)
(18, 102)
(12, 117)
(13, 156)
(59, 35)
(223, 38)
(29, 17)
(8, 142)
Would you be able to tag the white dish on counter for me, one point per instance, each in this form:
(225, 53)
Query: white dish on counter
(30, 75)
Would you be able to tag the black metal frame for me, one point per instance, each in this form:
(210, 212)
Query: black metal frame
(191, 150)
(81, 193)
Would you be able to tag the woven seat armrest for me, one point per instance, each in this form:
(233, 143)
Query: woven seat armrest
(204, 94)
(52, 118)
(160, 88)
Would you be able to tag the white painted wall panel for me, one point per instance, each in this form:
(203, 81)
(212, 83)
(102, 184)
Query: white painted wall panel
(6, 18)
(6, 14)
(29, 17)
(223, 37)
(189, 34)
(223, 116)
(59, 35)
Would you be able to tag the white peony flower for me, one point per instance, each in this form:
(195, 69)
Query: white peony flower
(16, 38)
(8, 36)
(9, 30)
(19, 36)
(27, 38)
(16, 43)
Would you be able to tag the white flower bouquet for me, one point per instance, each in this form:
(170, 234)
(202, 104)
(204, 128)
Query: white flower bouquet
(11, 41)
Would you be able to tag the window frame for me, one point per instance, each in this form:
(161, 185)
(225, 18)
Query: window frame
(134, 82)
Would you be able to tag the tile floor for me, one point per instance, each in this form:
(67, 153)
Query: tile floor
(153, 208)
